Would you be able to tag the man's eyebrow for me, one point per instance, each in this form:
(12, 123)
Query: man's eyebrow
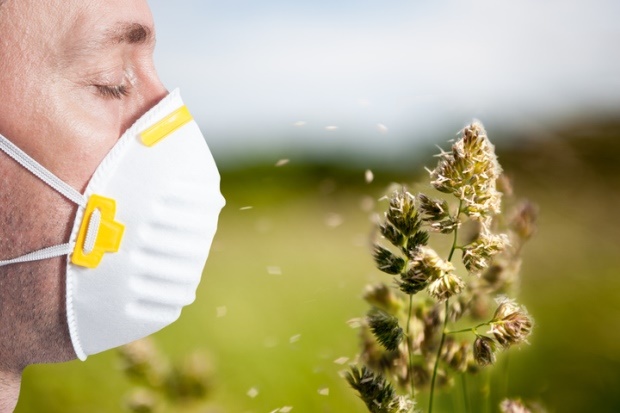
(131, 33)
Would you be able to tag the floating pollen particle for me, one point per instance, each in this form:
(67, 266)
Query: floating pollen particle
(274, 270)
(382, 128)
(333, 220)
(221, 311)
(341, 360)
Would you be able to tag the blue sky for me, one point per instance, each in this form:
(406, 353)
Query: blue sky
(368, 76)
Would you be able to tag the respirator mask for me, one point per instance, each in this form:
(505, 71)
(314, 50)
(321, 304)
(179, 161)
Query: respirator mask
(142, 231)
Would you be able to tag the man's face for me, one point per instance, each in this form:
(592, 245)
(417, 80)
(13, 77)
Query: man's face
(74, 74)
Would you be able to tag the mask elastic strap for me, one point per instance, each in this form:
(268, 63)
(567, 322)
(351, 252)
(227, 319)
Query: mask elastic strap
(42, 254)
(55, 183)
(40, 172)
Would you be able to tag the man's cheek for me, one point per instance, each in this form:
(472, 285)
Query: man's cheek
(84, 132)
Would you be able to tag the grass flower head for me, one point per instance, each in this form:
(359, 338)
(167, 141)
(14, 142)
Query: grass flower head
(470, 172)
(484, 350)
(511, 323)
(414, 347)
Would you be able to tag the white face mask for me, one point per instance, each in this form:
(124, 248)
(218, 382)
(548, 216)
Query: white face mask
(142, 232)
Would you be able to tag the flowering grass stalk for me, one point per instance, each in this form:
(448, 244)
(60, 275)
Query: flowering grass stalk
(161, 384)
(439, 291)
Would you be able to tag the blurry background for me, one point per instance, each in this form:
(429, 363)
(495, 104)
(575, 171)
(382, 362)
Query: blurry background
(327, 90)
(325, 79)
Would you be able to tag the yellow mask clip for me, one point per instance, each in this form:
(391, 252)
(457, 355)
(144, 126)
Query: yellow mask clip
(98, 234)
(166, 126)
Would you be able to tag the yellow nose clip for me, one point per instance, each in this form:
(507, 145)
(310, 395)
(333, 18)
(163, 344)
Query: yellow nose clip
(99, 232)
(166, 126)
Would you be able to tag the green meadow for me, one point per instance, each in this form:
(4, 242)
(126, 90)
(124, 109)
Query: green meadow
(291, 259)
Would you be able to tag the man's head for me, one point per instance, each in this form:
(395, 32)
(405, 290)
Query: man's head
(74, 74)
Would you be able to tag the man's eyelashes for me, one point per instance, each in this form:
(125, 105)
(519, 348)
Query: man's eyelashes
(112, 91)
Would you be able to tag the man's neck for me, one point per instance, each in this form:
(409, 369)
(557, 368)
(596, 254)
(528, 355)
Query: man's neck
(9, 390)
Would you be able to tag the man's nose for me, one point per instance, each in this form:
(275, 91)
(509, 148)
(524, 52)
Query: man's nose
(154, 92)
(149, 92)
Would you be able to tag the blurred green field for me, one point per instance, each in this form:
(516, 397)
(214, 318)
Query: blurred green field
(290, 270)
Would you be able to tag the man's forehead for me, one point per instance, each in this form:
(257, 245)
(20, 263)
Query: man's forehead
(95, 24)
(105, 36)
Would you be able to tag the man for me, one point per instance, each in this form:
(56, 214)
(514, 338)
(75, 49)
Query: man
(74, 74)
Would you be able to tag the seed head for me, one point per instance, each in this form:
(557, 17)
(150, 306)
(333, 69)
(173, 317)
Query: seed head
(437, 213)
(446, 286)
(478, 254)
(523, 222)
(403, 404)
(387, 261)
(418, 239)
(470, 172)
(382, 297)
(513, 406)
(377, 392)
(446, 226)
(426, 261)
(392, 234)
(484, 350)
(511, 323)
(456, 354)
(502, 274)
(504, 185)
(385, 328)
(412, 281)
(458, 307)
(403, 213)
(428, 270)
(142, 361)
(433, 323)
(401, 228)
(142, 400)
(191, 380)
(433, 209)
